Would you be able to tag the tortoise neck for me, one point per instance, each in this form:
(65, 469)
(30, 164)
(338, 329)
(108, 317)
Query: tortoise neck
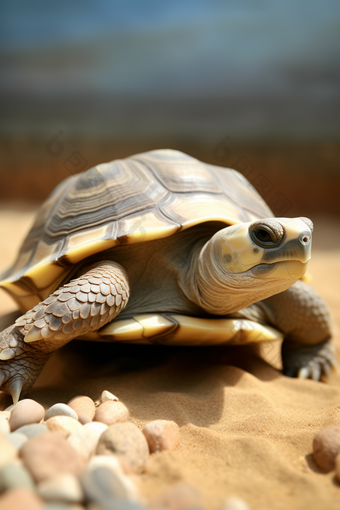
(210, 285)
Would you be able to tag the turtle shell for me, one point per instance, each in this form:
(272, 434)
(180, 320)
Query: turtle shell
(147, 196)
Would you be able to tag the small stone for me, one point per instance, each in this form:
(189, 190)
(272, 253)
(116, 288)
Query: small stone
(7, 451)
(235, 503)
(14, 475)
(64, 425)
(32, 430)
(161, 435)
(107, 395)
(65, 488)
(17, 439)
(178, 497)
(111, 412)
(118, 504)
(101, 484)
(109, 461)
(4, 426)
(127, 441)
(114, 463)
(84, 407)
(326, 446)
(60, 410)
(49, 455)
(20, 499)
(25, 412)
(85, 439)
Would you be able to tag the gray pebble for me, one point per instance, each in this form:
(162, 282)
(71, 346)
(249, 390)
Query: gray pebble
(121, 505)
(14, 475)
(32, 430)
(60, 410)
(101, 484)
(17, 439)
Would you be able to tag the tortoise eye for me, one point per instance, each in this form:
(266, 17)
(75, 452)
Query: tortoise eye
(262, 235)
(265, 236)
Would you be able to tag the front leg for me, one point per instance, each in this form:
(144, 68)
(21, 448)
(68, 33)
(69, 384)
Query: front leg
(303, 316)
(79, 307)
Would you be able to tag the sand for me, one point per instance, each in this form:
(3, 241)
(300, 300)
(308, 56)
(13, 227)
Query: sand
(245, 430)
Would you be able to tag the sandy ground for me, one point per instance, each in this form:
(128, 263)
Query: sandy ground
(245, 429)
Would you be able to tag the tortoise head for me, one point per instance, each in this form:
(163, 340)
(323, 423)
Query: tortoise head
(269, 248)
(249, 262)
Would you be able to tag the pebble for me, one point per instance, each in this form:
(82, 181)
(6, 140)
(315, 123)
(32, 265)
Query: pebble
(84, 407)
(17, 439)
(65, 488)
(32, 430)
(112, 462)
(64, 425)
(107, 395)
(326, 446)
(117, 504)
(49, 455)
(179, 497)
(85, 439)
(60, 410)
(126, 440)
(101, 484)
(235, 503)
(4, 426)
(20, 499)
(161, 435)
(111, 412)
(25, 412)
(7, 451)
(14, 475)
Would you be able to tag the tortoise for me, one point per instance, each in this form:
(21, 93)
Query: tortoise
(162, 248)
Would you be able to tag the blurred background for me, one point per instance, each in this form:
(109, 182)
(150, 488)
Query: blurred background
(253, 85)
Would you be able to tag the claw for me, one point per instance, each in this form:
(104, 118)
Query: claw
(316, 373)
(303, 373)
(326, 368)
(15, 389)
(334, 364)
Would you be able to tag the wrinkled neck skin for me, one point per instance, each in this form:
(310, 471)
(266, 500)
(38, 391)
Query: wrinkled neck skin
(209, 284)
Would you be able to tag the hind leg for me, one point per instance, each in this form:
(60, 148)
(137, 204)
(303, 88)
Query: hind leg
(303, 316)
(79, 307)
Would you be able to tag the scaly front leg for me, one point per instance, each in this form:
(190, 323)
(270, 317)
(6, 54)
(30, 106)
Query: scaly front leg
(303, 316)
(79, 307)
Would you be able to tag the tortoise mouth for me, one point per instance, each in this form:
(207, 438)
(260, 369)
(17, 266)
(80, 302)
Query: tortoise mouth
(282, 269)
